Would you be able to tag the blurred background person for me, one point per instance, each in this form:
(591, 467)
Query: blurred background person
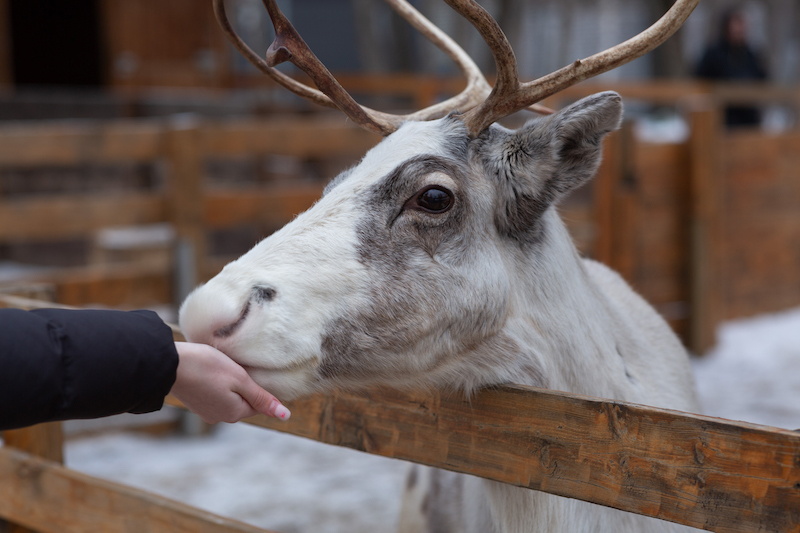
(732, 59)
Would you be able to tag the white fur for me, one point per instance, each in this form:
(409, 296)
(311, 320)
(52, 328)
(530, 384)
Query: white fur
(549, 316)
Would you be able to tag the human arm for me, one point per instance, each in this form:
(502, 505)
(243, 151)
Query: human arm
(60, 364)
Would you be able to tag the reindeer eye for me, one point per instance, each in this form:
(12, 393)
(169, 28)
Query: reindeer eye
(434, 199)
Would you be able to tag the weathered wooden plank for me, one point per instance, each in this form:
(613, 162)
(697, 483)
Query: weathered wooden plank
(77, 215)
(672, 92)
(166, 39)
(185, 196)
(706, 255)
(761, 187)
(76, 142)
(122, 286)
(49, 498)
(42, 440)
(696, 470)
(700, 471)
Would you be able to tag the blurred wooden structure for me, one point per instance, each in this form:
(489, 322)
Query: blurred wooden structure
(183, 201)
(706, 229)
(700, 471)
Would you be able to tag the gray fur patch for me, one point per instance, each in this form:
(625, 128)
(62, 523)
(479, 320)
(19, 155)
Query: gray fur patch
(442, 505)
(419, 297)
(537, 165)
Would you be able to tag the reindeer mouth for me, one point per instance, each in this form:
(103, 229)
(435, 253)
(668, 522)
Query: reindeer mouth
(230, 329)
(260, 295)
(299, 366)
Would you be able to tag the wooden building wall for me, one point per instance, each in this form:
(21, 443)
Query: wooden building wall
(759, 196)
(706, 230)
(175, 43)
(642, 203)
(5, 46)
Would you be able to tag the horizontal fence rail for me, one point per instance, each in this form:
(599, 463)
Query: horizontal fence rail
(49, 498)
(695, 470)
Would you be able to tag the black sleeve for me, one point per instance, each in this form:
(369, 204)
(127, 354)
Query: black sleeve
(57, 364)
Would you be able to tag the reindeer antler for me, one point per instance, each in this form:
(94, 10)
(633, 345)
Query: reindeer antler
(482, 105)
(289, 46)
(510, 95)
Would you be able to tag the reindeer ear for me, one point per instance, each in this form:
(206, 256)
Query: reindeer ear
(538, 164)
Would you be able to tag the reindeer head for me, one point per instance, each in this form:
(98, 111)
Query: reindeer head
(408, 269)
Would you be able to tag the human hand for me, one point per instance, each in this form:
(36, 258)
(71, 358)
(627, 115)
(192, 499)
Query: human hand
(218, 389)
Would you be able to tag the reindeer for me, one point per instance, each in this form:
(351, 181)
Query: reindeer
(439, 261)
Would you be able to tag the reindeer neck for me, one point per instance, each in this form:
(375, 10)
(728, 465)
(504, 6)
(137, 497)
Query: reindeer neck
(562, 318)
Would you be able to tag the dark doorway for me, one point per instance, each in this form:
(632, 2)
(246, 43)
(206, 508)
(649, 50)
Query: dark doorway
(56, 42)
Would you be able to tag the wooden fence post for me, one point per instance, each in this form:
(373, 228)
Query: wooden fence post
(706, 270)
(186, 202)
(42, 440)
(615, 204)
(185, 182)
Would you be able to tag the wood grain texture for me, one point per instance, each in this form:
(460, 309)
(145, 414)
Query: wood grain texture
(46, 497)
(44, 441)
(77, 142)
(700, 471)
(760, 194)
(118, 286)
(696, 470)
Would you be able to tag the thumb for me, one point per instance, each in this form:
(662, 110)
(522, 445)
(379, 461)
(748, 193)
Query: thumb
(262, 401)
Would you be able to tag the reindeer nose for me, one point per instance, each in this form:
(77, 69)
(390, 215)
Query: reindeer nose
(210, 309)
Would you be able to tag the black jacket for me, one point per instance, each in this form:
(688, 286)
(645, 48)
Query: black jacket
(57, 364)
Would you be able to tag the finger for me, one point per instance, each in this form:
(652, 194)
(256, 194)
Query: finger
(262, 401)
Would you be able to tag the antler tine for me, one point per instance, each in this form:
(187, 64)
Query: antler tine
(289, 46)
(477, 88)
(509, 95)
(287, 82)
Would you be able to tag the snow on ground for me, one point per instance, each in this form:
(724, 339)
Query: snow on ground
(293, 485)
(265, 478)
(753, 374)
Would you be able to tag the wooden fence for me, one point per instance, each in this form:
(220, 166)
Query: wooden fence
(185, 202)
(706, 229)
(700, 471)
